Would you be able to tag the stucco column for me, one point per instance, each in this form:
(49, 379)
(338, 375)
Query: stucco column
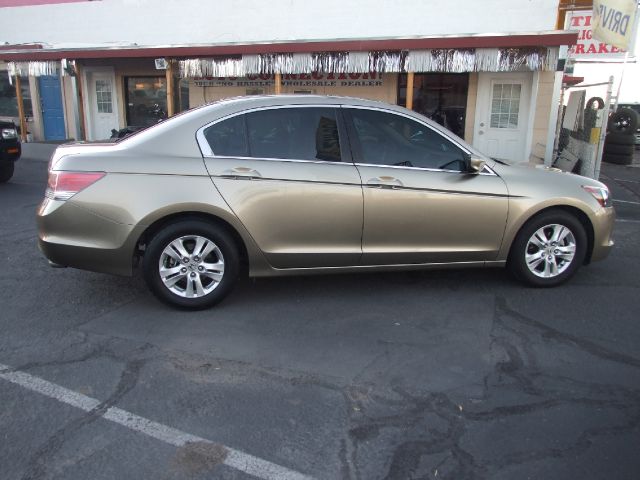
(23, 120)
(169, 74)
(409, 103)
(278, 84)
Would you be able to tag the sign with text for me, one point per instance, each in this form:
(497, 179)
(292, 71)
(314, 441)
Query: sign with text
(587, 46)
(613, 22)
(299, 80)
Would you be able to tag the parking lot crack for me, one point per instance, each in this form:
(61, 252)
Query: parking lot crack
(551, 333)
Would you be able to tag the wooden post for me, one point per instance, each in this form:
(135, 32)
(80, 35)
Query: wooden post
(23, 120)
(278, 80)
(170, 102)
(410, 90)
(80, 96)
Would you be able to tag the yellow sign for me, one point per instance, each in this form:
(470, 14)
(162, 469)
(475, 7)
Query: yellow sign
(613, 22)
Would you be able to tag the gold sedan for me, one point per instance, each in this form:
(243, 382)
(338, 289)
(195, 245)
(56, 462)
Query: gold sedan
(310, 184)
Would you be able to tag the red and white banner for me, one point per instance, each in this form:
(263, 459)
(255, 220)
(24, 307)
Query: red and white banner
(587, 46)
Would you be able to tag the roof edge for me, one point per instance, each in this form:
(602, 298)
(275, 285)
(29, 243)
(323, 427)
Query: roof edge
(551, 38)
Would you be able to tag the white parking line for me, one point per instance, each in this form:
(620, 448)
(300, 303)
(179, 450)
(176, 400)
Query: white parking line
(626, 201)
(234, 458)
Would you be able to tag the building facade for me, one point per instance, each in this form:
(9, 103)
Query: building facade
(485, 70)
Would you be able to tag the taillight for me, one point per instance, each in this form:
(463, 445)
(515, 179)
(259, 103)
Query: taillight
(64, 185)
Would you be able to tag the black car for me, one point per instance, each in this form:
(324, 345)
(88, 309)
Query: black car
(10, 149)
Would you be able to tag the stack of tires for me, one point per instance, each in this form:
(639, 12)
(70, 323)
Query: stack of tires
(619, 144)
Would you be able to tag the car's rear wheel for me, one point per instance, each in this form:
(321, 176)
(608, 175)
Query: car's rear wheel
(549, 249)
(6, 171)
(191, 264)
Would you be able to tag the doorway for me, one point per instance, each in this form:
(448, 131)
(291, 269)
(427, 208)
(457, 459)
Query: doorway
(101, 103)
(501, 126)
(52, 109)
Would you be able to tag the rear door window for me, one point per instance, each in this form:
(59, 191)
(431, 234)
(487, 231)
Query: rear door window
(295, 133)
(228, 138)
(300, 133)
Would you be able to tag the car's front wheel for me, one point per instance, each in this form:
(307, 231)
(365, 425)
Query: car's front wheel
(191, 264)
(549, 249)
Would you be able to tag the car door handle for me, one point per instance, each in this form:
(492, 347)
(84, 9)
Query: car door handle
(384, 181)
(241, 172)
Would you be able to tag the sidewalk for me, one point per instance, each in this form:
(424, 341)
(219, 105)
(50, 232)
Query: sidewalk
(40, 151)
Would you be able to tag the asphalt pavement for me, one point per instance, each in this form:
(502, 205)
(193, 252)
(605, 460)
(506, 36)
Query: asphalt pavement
(420, 375)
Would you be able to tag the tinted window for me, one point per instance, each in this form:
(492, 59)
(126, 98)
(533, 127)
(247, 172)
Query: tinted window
(228, 138)
(294, 133)
(390, 139)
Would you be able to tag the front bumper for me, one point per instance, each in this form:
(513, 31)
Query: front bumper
(603, 222)
(10, 151)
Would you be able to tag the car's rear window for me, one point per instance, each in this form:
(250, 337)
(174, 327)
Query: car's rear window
(295, 133)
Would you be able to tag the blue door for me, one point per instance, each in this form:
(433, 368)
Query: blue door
(52, 110)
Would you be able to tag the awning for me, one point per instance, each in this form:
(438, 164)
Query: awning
(555, 38)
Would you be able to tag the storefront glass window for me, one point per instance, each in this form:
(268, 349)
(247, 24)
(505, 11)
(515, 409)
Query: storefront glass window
(183, 92)
(146, 100)
(8, 102)
(442, 97)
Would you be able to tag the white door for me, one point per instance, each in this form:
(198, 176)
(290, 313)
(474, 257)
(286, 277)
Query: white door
(502, 115)
(101, 100)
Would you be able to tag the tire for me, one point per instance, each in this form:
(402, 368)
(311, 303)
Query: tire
(618, 159)
(618, 149)
(6, 171)
(593, 100)
(624, 120)
(620, 138)
(544, 225)
(181, 287)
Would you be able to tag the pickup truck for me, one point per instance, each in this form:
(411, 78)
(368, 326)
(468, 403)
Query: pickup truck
(10, 150)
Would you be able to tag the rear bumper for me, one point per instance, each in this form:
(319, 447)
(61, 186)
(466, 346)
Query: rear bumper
(71, 236)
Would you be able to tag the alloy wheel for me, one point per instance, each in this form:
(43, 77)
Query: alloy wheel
(191, 266)
(550, 250)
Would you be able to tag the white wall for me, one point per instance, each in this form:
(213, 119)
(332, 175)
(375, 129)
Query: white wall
(164, 22)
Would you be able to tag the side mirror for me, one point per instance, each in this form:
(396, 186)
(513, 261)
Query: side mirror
(474, 164)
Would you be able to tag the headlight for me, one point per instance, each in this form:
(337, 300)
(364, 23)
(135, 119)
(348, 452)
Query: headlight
(601, 194)
(9, 133)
